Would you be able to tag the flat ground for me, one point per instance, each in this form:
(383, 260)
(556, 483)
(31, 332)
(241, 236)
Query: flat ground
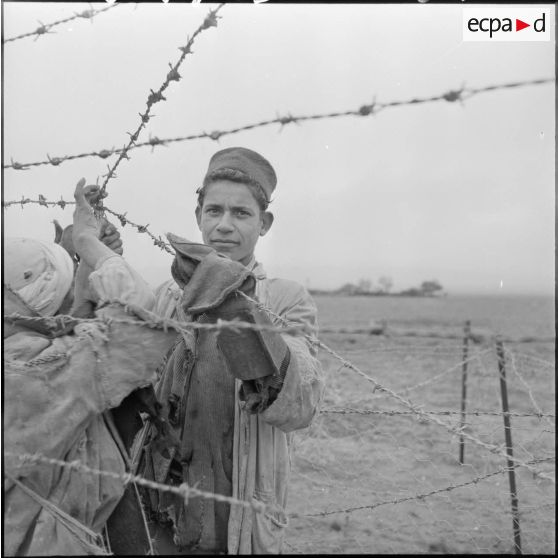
(382, 462)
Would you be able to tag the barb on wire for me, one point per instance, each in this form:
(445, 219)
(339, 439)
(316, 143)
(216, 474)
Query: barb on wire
(40, 201)
(157, 240)
(476, 480)
(157, 96)
(364, 110)
(46, 28)
(184, 490)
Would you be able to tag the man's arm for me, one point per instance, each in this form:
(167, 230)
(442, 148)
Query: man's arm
(301, 392)
(281, 377)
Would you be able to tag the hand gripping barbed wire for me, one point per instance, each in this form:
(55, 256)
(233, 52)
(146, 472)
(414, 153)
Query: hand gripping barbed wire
(45, 28)
(157, 96)
(157, 240)
(364, 110)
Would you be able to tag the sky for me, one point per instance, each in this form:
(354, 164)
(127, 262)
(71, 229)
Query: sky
(460, 192)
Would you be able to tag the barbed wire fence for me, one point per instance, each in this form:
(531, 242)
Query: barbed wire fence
(362, 452)
(410, 467)
(318, 448)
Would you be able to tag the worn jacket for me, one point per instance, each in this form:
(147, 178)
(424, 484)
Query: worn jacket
(55, 394)
(261, 450)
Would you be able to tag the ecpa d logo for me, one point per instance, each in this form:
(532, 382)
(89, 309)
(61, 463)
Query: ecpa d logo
(507, 24)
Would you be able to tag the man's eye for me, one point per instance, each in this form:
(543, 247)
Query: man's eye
(242, 213)
(212, 211)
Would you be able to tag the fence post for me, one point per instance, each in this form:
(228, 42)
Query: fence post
(467, 333)
(509, 446)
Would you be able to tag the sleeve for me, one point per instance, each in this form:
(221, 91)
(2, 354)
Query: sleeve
(167, 297)
(298, 401)
(114, 279)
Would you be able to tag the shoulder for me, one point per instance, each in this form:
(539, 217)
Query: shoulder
(286, 288)
(289, 299)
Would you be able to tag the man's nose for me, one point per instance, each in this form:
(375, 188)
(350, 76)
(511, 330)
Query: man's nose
(225, 223)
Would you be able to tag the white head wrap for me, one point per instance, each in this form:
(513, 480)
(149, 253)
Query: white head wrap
(40, 272)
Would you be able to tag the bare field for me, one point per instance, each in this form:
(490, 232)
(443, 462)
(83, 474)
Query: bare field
(390, 482)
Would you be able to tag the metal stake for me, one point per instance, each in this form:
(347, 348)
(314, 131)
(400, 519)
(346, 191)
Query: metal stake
(467, 333)
(509, 446)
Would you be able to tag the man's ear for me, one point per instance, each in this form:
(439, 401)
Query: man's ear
(267, 221)
(198, 216)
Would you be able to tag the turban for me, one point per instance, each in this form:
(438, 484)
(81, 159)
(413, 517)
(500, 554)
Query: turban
(248, 162)
(41, 273)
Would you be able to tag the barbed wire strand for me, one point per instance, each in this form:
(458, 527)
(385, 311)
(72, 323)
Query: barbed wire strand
(183, 490)
(353, 411)
(476, 480)
(536, 359)
(525, 384)
(157, 96)
(445, 372)
(364, 110)
(40, 201)
(157, 240)
(154, 321)
(46, 27)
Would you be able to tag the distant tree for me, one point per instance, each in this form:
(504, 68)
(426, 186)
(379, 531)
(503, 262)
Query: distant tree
(386, 283)
(364, 286)
(347, 289)
(413, 291)
(430, 287)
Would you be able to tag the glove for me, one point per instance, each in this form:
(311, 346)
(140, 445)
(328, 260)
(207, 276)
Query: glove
(259, 358)
(205, 276)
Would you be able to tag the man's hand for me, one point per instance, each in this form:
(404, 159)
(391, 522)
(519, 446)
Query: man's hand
(110, 236)
(86, 197)
(85, 222)
(205, 276)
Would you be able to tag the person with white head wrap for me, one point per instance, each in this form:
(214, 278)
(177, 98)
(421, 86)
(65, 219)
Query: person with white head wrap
(41, 273)
(61, 386)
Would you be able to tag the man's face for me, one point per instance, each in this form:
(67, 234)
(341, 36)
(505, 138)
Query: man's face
(231, 220)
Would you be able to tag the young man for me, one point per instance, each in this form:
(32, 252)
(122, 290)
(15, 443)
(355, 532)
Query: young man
(234, 397)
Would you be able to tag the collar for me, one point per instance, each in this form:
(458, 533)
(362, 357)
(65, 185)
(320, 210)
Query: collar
(257, 269)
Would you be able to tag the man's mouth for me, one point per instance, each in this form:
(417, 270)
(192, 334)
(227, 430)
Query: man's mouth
(224, 242)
